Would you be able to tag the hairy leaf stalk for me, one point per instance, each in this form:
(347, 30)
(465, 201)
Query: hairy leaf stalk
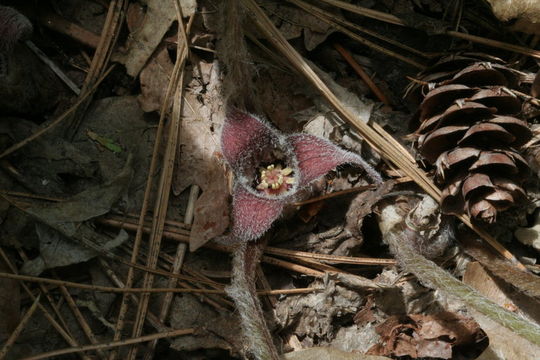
(431, 275)
(242, 290)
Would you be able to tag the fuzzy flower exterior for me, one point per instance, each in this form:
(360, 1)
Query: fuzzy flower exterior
(270, 168)
(14, 27)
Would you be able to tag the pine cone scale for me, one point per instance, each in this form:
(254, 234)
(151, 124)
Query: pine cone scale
(469, 130)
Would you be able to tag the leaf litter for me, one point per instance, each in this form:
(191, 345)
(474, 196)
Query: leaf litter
(86, 181)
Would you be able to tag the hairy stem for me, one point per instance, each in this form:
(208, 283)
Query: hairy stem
(243, 292)
(431, 275)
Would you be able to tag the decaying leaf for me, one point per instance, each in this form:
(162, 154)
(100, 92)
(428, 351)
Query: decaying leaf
(325, 353)
(293, 22)
(522, 9)
(200, 159)
(421, 336)
(68, 220)
(154, 80)
(145, 39)
(530, 235)
(224, 328)
(56, 250)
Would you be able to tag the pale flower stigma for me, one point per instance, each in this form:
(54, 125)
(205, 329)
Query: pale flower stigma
(275, 180)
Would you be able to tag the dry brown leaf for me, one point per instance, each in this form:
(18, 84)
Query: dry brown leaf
(144, 40)
(292, 22)
(425, 335)
(200, 157)
(154, 80)
(325, 353)
(522, 9)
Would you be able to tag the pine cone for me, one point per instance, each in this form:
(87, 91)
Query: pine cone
(470, 131)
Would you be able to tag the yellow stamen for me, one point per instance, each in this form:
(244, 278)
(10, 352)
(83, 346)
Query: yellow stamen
(286, 171)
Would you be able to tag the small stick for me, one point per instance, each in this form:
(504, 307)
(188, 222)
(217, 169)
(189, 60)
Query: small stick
(363, 75)
(389, 18)
(334, 194)
(80, 318)
(100, 288)
(152, 318)
(54, 305)
(113, 344)
(72, 30)
(15, 334)
(293, 254)
(65, 335)
(176, 266)
(55, 69)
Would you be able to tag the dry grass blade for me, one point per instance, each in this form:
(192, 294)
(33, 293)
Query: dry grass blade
(113, 344)
(175, 268)
(332, 21)
(164, 188)
(292, 254)
(363, 75)
(87, 330)
(66, 336)
(102, 55)
(378, 140)
(15, 334)
(148, 188)
(50, 298)
(335, 259)
(109, 289)
(389, 18)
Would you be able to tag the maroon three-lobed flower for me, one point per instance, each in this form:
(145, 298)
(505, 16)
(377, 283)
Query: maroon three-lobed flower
(270, 168)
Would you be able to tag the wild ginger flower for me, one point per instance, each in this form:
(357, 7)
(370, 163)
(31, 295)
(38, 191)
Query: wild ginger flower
(271, 167)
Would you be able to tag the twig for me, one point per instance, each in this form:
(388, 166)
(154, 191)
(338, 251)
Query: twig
(67, 337)
(328, 19)
(107, 40)
(389, 18)
(263, 283)
(164, 187)
(293, 267)
(292, 254)
(72, 30)
(80, 318)
(61, 75)
(153, 320)
(15, 334)
(334, 194)
(363, 75)
(176, 266)
(55, 306)
(109, 289)
(112, 344)
(147, 194)
(330, 258)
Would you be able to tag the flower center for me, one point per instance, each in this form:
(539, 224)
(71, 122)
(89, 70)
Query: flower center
(275, 180)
